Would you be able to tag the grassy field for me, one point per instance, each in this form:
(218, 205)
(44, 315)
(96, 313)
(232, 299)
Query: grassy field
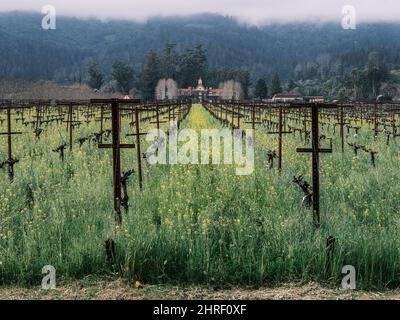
(200, 224)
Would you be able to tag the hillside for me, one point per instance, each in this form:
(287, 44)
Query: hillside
(63, 54)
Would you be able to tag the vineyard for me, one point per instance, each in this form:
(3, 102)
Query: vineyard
(77, 192)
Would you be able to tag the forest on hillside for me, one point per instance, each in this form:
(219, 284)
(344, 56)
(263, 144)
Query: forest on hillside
(308, 58)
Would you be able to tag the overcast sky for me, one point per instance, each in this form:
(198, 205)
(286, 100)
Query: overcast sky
(250, 11)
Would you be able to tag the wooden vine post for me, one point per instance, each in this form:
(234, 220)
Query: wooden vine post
(280, 134)
(116, 147)
(10, 161)
(315, 150)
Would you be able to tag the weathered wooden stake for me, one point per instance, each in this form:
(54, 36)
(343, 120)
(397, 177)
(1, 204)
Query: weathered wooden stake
(280, 133)
(11, 162)
(137, 134)
(116, 147)
(315, 150)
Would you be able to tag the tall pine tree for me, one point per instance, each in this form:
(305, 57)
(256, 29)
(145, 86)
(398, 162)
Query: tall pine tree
(149, 76)
(123, 74)
(169, 62)
(291, 85)
(96, 78)
(261, 91)
(193, 66)
(276, 86)
(244, 79)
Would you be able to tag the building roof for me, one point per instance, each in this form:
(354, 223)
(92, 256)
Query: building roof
(188, 90)
(216, 91)
(313, 97)
(287, 95)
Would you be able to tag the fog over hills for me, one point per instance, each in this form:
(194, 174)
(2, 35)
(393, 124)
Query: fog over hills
(254, 12)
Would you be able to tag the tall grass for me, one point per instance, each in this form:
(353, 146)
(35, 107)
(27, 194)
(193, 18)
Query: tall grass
(200, 224)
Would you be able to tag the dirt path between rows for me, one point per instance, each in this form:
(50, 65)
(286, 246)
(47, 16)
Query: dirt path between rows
(119, 290)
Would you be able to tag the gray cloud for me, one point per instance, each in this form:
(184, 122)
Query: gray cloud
(250, 11)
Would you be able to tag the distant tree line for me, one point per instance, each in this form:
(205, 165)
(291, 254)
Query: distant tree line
(326, 76)
(333, 77)
(185, 68)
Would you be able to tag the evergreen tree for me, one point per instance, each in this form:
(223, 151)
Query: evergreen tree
(244, 78)
(355, 80)
(291, 85)
(96, 78)
(169, 62)
(376, 73)
(276, 86)
(193, 66)
(261, 91)
(149, 76)
(347, 83)
(123, 74)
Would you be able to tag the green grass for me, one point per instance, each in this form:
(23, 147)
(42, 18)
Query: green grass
(200, 224)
